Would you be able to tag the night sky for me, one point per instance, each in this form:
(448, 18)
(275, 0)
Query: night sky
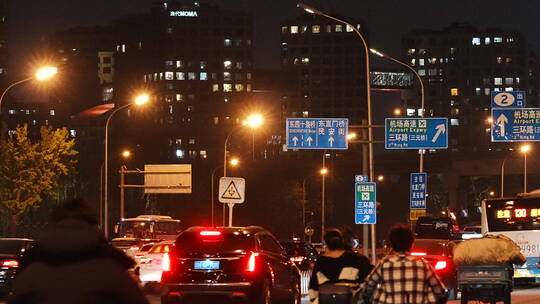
(30, 20)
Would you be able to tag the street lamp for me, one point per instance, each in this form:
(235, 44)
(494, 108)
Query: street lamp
(126, 154)
(525, 150)
(397, 112)
(234, 162)
(422, 107)
(380, 178)
(323, 172)
(351, 136)
(312, 10)
(139, 100)
(43, 74)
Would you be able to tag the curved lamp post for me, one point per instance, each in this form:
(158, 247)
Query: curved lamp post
(43, 74)
(139, 100)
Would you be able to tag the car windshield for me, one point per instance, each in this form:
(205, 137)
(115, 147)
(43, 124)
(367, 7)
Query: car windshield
(193, 242)
(12, 246)
(146, 247)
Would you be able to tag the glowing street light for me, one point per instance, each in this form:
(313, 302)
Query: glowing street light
(489, 120)
(254, 121)
(126, 154)
(234, 162)
(491, 193)
(397, 112)
(351, 136)
(45, 73)
(141, 99)
(323, 171)
(380, 178)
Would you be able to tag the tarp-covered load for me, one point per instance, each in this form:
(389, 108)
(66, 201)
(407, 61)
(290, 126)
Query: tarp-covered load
(491, 249)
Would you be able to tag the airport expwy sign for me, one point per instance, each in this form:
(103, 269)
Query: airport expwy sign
(365, 208)
(510, 99)
(514, 125)
(317, 133)
(183, 14)
(416, 133)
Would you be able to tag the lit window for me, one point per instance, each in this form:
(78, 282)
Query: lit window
(517, 80)
(169, 75)
(203, 154)
(227, 64)
(454, 122)
(454, 111)
(487, 91)
(179, 63)
(349, 28)
(215, 88)
(239, 65)
(413, 61)
(227, 42)
(508, 89)
(72, 132)
(179, 153)
(411, 51)
(178, 141)
(328, 28)
(12, 112)
(179, 97)
(499, 59)
(508, 59)
(191, 76)
(478, 91)
(169, 63)
(316, 29)
(476, 41)
(497, 81)
(284, 29)
(305, 114)
(216, 120)
(410, 112)
(339, 28)
(304, 28)
(160, 76)
(226, 76)
(432, 60)
(509, 80)
(497, 40)
(239, 87)
(454, 91)
(294, 29)
(421, 62)
(248, 76)
(305, 60)
(180, 75)
(248, 87)
(170, 109)
(51, 112)
(422, 72)
(496, 89)
(203, 65)
(510, 39)
(227, 87)
(192, 141)
(487, 41)
(203, 76)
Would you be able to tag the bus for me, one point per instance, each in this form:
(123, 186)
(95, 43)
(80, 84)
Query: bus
(157, 227)
(519, 219)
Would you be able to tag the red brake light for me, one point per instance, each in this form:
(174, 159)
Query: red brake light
(10, 263)
(440, 265)
(166, 262)
(210, 233)
(252, 262)
(418, 253)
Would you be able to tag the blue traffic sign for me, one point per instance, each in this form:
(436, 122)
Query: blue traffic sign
(418, 190)
(361, 178)
(416, 133)
(365, 208)
(317, 133)
(515, 124)
(510, 99)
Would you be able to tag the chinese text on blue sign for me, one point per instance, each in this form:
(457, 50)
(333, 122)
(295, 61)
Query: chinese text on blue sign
(317, 133)
(416, 133)
(515, 124)
(418, 190)
(365, 209)
(512, 99)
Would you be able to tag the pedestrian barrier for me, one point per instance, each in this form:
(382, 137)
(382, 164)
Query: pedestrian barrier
(305, 275)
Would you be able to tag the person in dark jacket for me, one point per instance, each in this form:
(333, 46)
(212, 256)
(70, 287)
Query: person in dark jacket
(337, 265)
(73, 263)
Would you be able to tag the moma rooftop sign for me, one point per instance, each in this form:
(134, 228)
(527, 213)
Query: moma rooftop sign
(183, 14)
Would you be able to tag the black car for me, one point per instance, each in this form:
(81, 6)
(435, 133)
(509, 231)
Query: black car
(301, 253)
(11, 251)
(239, 264)
(429, 227)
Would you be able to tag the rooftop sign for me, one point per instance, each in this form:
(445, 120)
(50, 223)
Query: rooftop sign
(183, 14)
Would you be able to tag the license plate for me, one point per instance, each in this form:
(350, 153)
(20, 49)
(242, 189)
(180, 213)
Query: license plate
(206, 265)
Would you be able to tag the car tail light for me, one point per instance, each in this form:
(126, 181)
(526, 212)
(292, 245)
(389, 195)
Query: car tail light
(10, 263)
(134, 248)
(166, 262)
(210, 233)
(297, 259)
(252, 262)
(418, 253)
(440, 265)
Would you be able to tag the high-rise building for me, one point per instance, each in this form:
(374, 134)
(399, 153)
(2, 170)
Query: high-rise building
(196, 60)
(324, 64)
(460, 67)
(3, 41)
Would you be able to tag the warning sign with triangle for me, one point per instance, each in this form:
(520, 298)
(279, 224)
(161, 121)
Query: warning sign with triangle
(232, 190)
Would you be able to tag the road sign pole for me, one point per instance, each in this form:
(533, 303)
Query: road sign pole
(525, 172)
(322, 196)
(231, 206)
(365, 170)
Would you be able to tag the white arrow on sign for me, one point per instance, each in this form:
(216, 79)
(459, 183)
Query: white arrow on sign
(440, 129)
(309, 140)
(366, 218)
(331, 141)
(502, 121)
(295, 140)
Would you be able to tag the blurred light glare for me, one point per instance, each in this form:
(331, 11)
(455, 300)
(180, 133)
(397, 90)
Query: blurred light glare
(324, 171)
(397, 112)
(380, 178)
(126, 153)
(525, 148)
(351, 136)
(254, 121)
(234, 162)
(142, 99)
(45, 73)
